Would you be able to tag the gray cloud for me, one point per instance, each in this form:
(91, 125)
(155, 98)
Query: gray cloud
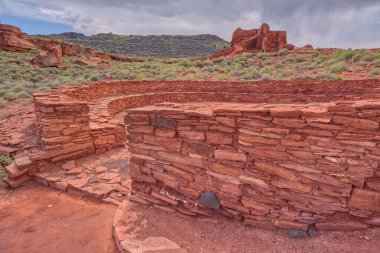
(323, 23)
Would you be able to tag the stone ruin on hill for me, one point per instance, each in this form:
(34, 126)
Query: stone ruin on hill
(51, 50)
(255, 40)
(303, 155)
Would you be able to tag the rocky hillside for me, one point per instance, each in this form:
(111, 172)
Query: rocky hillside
(176, 46)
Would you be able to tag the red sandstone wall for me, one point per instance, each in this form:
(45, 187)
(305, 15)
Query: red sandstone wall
(321, 90)
(77, 120)
(287, 166)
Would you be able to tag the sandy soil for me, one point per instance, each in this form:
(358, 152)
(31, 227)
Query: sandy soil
(38, 219)
(223, 235)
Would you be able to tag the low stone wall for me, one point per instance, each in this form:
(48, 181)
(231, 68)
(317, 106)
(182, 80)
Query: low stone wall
(284, 165)
(78, 120)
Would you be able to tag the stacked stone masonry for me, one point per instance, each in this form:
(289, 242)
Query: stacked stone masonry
(283, 165)
(276, 153)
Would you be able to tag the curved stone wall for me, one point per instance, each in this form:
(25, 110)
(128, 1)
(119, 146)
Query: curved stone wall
(75, 121)
(273, 165)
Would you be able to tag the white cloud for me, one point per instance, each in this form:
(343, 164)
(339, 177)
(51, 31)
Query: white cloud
(332, 23)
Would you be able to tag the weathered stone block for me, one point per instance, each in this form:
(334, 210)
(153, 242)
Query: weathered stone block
(225, 170)
(265, 153)
(202, 149)
(192, 135)
(165, 132)
(290, 224)
(275, 170)
(292, 123)
(292, 185)
(364, 200)
(356, 123)
(373, 184)
(218, 138)
(231, 156)
(164, 122)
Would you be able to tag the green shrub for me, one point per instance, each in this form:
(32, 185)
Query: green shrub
(375, 72)
(94, 77)
(303, 78)
(301, 68)
(4, 160)
(252, 75)
(343, 55)
(338, 67)
(357, 57)
(23, 94)
(325, 76)
(266, 77)
(3, 102)
(206, 63)
(11, 95)
(218, 60)
(267, 69)
(296, 59)
(267, 62)
(185, 64)
(236, 73)
(371, 57)
(283, 52)
(262, 56)
(243, 57)
(2, 176)
(321, 59)
(376, 64)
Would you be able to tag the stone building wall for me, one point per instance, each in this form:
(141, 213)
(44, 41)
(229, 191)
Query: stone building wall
(78, 120)
(273, 165)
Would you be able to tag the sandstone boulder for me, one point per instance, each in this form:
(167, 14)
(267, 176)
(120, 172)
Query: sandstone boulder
(49, 58)
(255, 40)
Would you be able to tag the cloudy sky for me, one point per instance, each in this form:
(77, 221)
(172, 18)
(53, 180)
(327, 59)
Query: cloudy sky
(322, 23)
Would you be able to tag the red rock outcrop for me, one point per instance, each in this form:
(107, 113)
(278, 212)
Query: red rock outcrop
(255, 40)
(308, 46)
(49, 58)
(12, 39)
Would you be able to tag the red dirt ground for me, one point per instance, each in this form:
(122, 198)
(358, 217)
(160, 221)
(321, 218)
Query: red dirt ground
(38, 219)
(205, 235)
(74, 224)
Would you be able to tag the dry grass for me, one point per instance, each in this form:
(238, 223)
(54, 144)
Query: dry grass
(19, 79)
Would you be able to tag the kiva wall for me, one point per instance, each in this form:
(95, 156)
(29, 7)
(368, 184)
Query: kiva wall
(285, 165)
(78, 120)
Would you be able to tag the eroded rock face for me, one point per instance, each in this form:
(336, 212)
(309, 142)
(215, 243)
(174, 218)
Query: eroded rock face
(50, 58)
(255, 40)
(12, 39)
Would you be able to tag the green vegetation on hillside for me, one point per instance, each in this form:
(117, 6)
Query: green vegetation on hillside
(169, 46)
(4, 161)
(18, 78)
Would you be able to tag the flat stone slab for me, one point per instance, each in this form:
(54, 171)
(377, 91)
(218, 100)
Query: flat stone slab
(151, 245)
(125, 231)
(96, 176)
